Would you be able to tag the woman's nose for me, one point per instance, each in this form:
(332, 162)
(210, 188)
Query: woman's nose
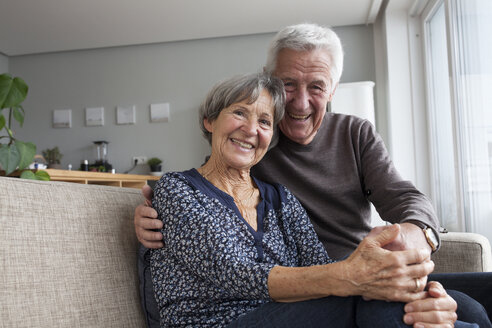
(250, 127)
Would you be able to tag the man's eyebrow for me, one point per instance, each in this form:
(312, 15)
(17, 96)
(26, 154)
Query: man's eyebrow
(322, 82)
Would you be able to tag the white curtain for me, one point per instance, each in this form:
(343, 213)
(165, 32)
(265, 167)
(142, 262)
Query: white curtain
(473, 53)
(459, 71)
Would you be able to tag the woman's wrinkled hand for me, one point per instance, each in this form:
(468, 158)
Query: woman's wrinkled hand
(377, 273)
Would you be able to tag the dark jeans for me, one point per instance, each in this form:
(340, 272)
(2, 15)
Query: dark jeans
(477, 285)
(328, 312)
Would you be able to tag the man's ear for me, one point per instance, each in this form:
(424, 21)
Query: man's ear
(333, 91)
(207, 125)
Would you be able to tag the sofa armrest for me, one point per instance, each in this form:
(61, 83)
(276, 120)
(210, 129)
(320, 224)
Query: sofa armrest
(463, 252)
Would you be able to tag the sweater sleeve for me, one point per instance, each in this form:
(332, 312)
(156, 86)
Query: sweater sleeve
(299, 228)
(395, 199)
(204, 243)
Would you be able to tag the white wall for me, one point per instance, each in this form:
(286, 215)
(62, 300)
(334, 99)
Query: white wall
(177, 72)
(4, 64)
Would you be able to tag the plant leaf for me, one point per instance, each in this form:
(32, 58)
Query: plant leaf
(42, 175)
(13, 91)
(28, 174)
(27, 150)
(5, 82)
(19, 114)
(2, 121)
(9, 158)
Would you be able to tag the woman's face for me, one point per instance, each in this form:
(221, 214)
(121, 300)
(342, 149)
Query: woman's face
(242, 132)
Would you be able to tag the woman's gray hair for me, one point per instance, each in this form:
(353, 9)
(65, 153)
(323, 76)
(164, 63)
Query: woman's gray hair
(238, 89)
(304, 37)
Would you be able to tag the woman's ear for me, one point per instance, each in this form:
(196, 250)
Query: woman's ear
(207, 125)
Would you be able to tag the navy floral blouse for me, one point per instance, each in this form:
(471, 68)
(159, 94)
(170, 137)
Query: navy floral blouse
(214, 267)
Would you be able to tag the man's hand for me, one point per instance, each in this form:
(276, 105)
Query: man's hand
(438, 309)
(377, 273)
(411, 236)
(146, 220)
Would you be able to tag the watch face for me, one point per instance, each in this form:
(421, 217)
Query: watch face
(431, 238)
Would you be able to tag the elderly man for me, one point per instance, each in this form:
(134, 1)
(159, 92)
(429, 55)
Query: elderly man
(335, 164)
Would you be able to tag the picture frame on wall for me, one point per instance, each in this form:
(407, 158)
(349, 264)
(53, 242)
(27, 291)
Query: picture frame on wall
(94, 116)
(159, 113)
(62, 118)
(125, 115)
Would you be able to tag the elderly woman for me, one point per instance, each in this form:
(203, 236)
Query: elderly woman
(231, 239)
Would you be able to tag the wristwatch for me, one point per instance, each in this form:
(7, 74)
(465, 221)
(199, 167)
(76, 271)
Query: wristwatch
(431, 238)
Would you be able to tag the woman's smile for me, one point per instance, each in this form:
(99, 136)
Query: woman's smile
(242, 144)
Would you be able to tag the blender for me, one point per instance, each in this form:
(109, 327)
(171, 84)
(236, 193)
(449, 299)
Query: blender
(101, 163)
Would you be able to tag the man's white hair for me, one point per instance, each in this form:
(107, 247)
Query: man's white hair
(304, 37)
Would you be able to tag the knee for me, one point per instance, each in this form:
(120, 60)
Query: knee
(380, 314)
(469, 310)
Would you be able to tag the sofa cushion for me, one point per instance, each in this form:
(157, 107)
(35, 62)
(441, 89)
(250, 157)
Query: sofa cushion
(68, 255)
(463, 252)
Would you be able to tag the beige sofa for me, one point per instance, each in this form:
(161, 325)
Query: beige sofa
(68, 255)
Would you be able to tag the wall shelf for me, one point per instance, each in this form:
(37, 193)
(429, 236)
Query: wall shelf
(101, 178)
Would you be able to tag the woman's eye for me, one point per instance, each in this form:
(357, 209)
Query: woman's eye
(239, 112)
(266, 122)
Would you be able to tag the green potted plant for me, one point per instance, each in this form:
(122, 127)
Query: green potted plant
(155, 165)
(15, 155)
(53, 157)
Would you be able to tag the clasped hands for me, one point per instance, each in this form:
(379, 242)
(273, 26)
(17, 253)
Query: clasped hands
(399, 275)
(385, 266)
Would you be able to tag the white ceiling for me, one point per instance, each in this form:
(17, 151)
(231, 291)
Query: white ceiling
(37, 26)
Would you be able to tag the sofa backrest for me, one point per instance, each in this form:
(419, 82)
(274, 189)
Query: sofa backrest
(68, 255)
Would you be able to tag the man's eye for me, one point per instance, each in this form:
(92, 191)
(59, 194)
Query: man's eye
(316, 89)
(289, 86)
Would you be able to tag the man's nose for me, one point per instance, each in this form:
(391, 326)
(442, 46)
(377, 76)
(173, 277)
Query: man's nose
(300, 100)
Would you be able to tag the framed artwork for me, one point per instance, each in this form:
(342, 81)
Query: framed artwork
(94, 116)
(125, 115)
(62, 118)
(159, 112)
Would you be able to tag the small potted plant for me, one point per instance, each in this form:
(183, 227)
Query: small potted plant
(155, 165)
(53, 157)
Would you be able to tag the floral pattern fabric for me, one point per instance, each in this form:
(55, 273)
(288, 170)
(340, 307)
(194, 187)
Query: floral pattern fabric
(214, 267)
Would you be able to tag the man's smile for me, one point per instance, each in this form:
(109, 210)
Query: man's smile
(298, 117)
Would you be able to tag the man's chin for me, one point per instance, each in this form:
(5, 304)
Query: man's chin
(297, 136)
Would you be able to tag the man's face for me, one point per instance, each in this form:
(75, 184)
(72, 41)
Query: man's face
(307, 81)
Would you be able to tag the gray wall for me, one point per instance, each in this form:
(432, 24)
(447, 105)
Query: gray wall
(4, 64)
(180, 73)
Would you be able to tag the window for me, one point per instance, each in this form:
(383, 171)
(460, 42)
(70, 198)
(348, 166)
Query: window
(458, 51)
